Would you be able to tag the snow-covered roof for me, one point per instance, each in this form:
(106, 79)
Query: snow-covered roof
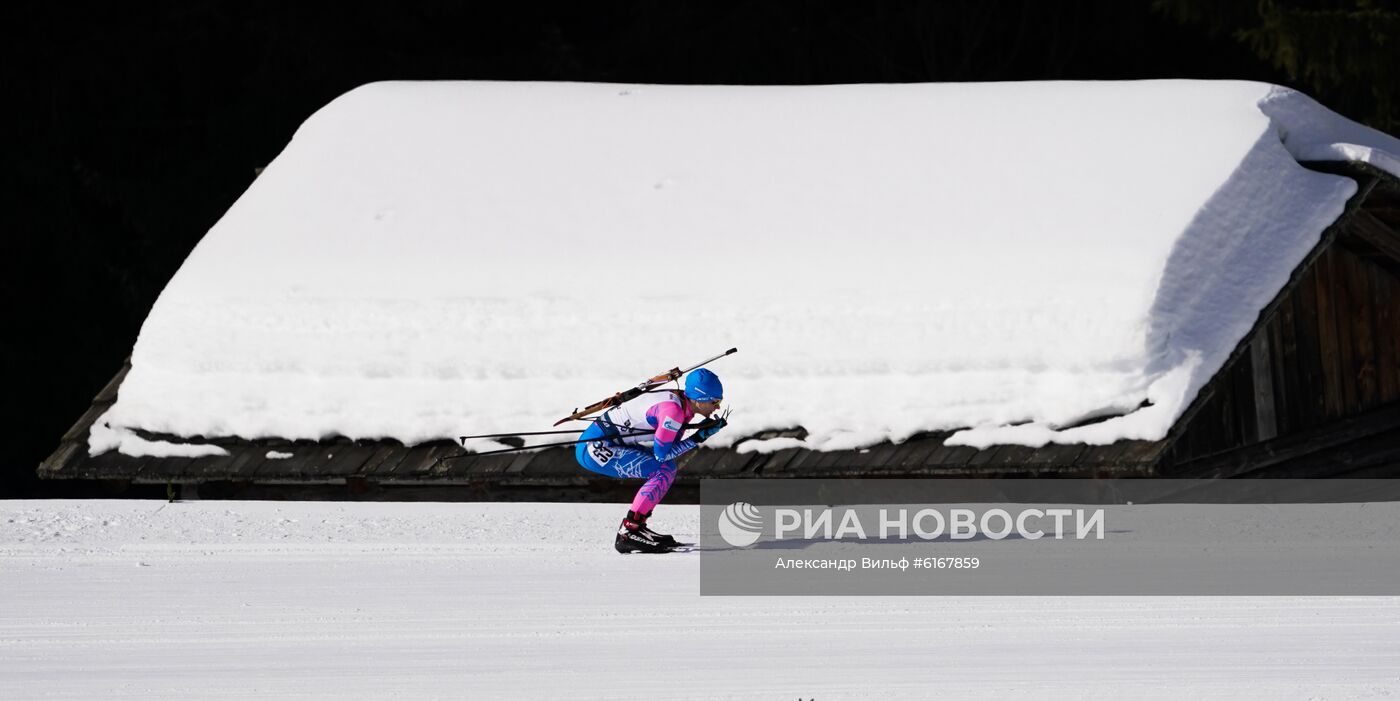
(427, 259)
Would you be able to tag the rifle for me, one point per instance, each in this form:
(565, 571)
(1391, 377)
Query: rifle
(639, 390)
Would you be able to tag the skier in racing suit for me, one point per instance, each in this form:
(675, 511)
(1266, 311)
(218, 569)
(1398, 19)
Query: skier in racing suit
(659, 417)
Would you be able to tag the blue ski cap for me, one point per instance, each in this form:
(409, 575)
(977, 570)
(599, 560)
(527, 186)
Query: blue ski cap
(703, 386)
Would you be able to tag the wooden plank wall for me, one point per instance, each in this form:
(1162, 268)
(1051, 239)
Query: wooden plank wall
(1328, 351)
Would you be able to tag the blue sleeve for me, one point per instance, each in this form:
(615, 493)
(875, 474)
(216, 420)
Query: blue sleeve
(665, 452)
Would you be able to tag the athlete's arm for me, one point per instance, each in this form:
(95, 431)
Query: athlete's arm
(670, 421)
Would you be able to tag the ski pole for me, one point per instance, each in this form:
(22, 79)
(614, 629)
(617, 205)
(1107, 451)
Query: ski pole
(463, 439)
(526, 447)
(703, 424)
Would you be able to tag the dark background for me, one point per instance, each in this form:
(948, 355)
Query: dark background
(133, 126)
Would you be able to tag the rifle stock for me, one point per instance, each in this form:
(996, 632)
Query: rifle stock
(648, 385)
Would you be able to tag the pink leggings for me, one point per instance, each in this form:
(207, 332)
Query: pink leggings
(626, 461)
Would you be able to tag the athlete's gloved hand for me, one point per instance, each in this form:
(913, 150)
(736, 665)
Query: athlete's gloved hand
(710, 430)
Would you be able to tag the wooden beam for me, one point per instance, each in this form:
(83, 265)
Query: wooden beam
(1266, 425)
(1370, 234)
(56, 465)
(1362, 292)
(109, 392)
(1329, 356)
(1344, 311)
(1385, 327)
(1259, 457)
(1374, 457)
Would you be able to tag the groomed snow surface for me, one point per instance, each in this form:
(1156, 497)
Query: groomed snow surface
(427, 260)
(209, 600)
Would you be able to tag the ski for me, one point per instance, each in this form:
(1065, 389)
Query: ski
(677, 548)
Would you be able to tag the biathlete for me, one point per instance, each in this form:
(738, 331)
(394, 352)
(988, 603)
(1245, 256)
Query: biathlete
(612, 446)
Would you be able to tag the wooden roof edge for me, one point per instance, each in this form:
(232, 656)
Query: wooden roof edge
(1368, 177)
(1373, 239)
(57, 463)
(72, 446)
(273, 442)
(108, 393)
(80, 428)
(1356, 170)
(1367, 232)
(425, 461)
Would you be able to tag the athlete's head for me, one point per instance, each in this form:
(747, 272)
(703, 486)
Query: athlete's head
(703, 389)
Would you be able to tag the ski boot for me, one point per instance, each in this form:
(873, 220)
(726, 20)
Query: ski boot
(634, 537)
(662, 538)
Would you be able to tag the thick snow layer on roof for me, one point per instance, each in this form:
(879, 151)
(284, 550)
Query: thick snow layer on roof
(426, 260)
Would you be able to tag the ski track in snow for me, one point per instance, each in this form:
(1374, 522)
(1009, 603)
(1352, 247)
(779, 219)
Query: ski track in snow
(128, 599)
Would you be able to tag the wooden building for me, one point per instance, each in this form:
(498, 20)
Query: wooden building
(1312, 390)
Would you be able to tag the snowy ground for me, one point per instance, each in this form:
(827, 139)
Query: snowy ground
(126, 599)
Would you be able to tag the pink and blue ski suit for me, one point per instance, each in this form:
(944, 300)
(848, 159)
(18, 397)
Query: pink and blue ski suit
(657, 417)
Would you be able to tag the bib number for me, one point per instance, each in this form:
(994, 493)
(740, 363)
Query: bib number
(600, 452)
